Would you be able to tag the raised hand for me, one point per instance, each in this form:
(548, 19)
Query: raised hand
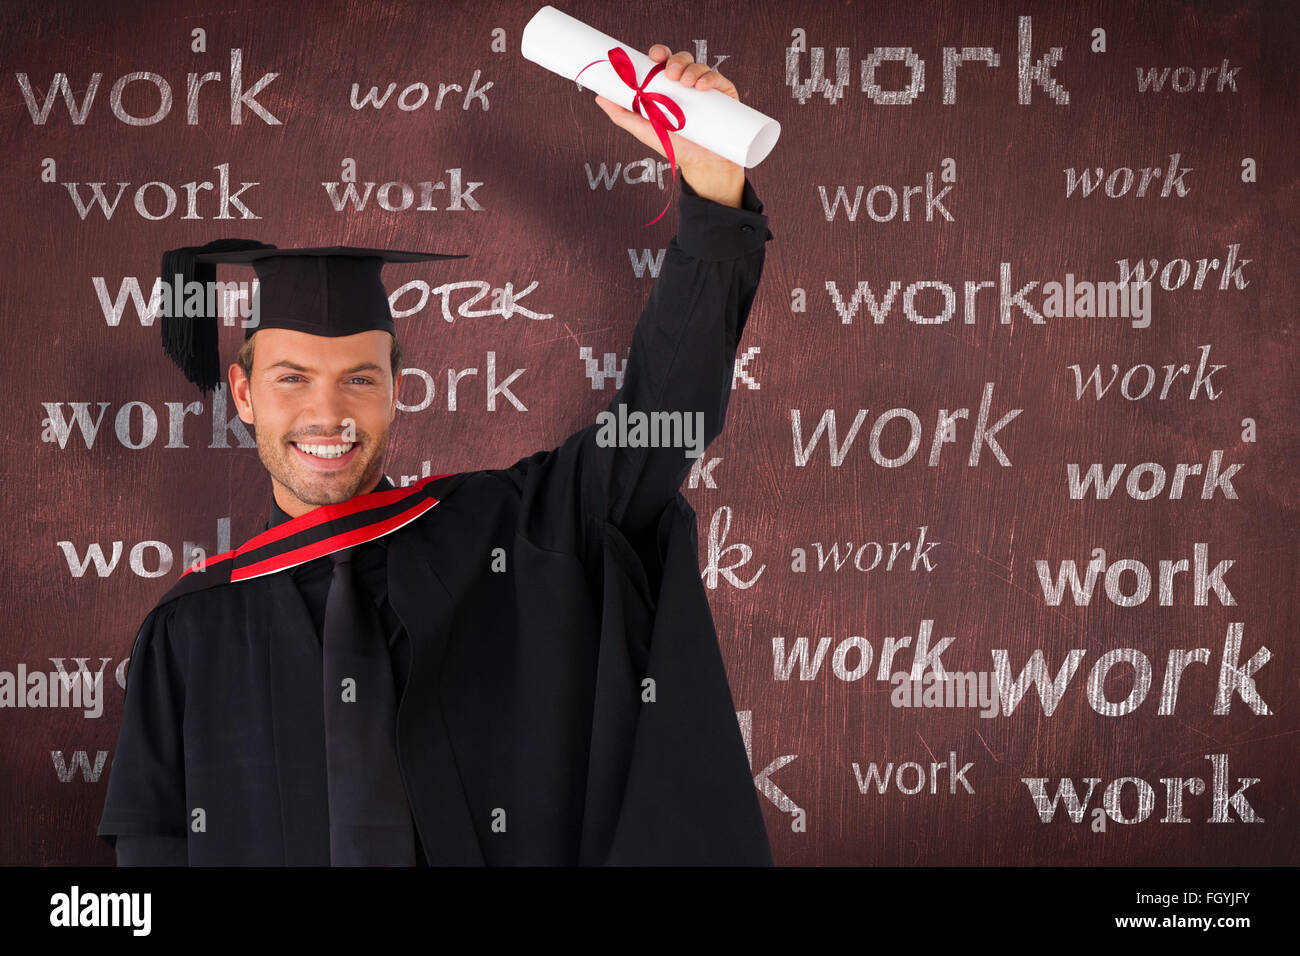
(709, 174)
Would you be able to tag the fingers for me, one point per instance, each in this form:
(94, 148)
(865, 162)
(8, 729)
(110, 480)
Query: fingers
(681, 66)
(679, 63)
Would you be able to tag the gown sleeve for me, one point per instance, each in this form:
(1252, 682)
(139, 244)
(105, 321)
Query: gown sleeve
(146, 785)
(681, 359)
(609, 595)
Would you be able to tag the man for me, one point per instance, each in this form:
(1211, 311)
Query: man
(508, 666)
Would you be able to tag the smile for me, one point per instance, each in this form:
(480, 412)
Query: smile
(337, 450)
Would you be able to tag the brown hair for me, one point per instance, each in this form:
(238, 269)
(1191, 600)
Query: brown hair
(245, 358)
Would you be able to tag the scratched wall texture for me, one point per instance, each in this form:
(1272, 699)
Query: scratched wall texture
(543, 221)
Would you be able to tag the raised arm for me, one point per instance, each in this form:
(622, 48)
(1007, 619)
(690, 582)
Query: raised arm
(683, 351)
(681, 360)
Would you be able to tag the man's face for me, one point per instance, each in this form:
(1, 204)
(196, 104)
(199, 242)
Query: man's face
(311, 397)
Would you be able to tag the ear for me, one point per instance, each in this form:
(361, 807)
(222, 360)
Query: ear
(241, 391)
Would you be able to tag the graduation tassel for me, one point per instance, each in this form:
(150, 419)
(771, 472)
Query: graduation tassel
(191, 340)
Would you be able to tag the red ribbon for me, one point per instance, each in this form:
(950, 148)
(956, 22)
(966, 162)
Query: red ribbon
(642, 103)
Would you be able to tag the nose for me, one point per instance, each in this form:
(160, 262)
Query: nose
(325, 411)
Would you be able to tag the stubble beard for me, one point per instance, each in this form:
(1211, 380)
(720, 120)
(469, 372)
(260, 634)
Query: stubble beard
(277, 455)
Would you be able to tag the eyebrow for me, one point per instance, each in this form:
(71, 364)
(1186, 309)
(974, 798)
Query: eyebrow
(363, 367)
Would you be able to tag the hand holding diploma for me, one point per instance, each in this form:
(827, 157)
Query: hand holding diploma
(684, 111)
(710, 175)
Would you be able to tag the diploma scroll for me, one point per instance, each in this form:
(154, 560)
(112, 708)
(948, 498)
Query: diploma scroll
(565, 45)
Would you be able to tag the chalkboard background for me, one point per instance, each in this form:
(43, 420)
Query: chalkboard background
(1029, 150)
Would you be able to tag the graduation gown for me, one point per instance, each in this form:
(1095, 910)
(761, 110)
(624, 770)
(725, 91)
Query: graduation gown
(564, 699)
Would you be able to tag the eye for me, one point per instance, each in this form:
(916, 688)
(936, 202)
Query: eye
(362, 379)
(286, 378)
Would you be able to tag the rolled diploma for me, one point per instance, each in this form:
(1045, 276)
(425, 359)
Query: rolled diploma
(714, 120)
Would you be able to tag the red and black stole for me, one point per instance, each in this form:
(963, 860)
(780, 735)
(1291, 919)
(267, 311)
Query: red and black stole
(317, 533)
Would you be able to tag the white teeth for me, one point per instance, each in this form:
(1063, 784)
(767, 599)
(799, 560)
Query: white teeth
(325, 451)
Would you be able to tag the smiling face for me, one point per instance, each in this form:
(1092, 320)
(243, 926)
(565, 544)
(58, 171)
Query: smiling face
(321, 408)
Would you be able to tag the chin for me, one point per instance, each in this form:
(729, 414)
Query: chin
(323, 496)
(318, 490)
(331, 489)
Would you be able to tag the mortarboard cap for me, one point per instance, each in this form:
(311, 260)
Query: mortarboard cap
(326, 290)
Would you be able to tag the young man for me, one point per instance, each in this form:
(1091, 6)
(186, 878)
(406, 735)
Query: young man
(507, 666)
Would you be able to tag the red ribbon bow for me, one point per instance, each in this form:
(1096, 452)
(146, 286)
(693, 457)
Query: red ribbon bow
(642, 103)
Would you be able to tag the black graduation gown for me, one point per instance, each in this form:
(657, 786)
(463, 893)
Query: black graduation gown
(536, 600)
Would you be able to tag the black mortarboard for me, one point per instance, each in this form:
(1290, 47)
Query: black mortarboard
(328, 290)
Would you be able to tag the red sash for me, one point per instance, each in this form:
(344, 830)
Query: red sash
(317, 533)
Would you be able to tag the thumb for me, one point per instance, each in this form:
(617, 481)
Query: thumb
(615, 112)
(633, 122)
